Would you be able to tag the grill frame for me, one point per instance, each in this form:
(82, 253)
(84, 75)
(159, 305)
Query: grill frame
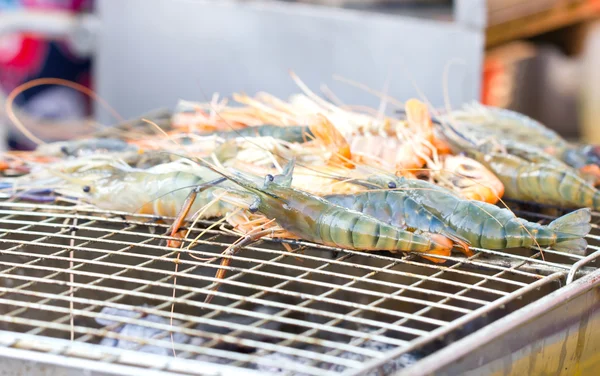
(501, 264)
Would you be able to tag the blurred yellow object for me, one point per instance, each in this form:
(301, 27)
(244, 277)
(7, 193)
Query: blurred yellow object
(590, 86)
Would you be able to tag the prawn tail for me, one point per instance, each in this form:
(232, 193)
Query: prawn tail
(577, 246)
(460, 242)
(576, 223)
(573, 227)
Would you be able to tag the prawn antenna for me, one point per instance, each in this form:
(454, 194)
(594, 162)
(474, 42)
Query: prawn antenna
(446, 79)
(447, 125)
(367, 89)
(49, 81)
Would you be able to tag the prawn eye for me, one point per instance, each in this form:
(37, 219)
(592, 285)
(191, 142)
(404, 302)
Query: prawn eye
(467, 167)
(87, 188)
(391, 185)
(253, 208)
(64, 150)
(270, 177)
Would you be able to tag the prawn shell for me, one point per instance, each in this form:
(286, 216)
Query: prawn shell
(482, 224)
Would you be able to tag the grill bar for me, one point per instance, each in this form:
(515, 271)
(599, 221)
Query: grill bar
(462, 321)
(52, 351)
(80, 286)
(426, 309)
(199, 253)
(71, 272)
(225, 245)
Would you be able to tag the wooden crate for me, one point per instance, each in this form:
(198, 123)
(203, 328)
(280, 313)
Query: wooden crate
(516, 19)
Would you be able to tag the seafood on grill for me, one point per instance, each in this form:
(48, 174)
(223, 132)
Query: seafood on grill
(439, 200)
(82, 147)
(469, 179)
(466, 176)
(160, 190)
(512, 128)
(23, 162)
(331, 158)
(298, 214)
(527, 176)
(315, 219)
(406, 146)
(292, 133)
(318, 179)
(163, 190)
(398, 209)
(489, 226)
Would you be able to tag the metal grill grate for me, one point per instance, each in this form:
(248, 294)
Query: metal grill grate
(100, 278)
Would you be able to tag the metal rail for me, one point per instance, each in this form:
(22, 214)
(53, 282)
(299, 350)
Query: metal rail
(96, 277)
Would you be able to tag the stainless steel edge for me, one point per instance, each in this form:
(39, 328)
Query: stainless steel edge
(37, 355)
(439, 362)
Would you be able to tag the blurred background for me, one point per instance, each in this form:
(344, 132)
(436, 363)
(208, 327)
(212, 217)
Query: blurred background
(539, 57)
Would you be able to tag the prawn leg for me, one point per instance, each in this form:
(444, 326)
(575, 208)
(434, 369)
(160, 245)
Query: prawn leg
(232, 250)
(185, 210)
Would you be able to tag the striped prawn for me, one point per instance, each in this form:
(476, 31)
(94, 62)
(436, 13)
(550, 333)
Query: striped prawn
(398, 209)
(512, 127)
(318, 220)
(298, 214)
(525, 175)
(489, 226)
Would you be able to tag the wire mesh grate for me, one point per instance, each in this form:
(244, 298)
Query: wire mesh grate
(101, 278)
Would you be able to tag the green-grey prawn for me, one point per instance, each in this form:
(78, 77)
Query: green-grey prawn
(317, 220)
(526, 175)
(489, 226)
(112, 185)
(398, 209)
(513, 128)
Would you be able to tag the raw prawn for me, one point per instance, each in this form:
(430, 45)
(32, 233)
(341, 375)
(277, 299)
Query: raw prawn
(315, 219)
(510, 127)
(469, 179)
(488, 226)
(76, 148)
(160, 190)
(293, 133)
(528, 179)
(398, 209)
